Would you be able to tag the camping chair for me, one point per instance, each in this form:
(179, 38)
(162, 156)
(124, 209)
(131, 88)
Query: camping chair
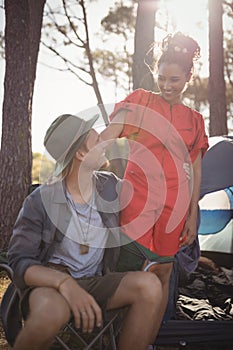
(12, 323)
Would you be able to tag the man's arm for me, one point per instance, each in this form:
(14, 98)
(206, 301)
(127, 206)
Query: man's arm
(26, 241)
(82, 305)
(24, 254)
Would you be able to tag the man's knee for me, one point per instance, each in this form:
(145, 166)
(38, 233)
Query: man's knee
(47, 306)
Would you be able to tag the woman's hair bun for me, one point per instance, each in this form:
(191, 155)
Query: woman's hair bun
(181, 44)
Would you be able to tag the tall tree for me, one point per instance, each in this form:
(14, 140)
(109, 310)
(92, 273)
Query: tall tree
(116, 63)
(22, 38)
(217, 87)
(70, 24)
(144, 37)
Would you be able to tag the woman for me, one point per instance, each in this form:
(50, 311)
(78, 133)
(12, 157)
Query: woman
(159, 204)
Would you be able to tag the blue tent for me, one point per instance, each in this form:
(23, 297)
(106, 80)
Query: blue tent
(217, 165)
(216, 203)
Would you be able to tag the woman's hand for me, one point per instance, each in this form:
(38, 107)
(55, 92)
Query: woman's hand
(188, 170)
(189, 232)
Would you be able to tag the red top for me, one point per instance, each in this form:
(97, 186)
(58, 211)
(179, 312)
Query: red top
(161, 138)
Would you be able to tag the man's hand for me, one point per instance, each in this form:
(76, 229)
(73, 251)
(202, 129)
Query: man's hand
(86, 311)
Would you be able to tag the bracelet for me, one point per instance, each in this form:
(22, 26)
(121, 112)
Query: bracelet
(59, 285)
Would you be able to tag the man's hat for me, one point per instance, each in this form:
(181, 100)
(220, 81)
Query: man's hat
(64, 136)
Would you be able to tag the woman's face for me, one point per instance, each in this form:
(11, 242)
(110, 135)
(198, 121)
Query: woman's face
(171, 82)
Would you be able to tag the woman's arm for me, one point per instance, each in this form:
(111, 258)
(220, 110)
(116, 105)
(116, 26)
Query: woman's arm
(190, 229)
(115, 128)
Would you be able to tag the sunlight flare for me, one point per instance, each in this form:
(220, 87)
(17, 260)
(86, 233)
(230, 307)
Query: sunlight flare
(187, 15)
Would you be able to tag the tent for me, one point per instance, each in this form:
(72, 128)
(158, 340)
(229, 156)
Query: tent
(215, 235)
(216, 203)
(217, 165)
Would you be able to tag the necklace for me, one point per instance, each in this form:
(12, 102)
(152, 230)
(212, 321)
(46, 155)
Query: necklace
(84, 246)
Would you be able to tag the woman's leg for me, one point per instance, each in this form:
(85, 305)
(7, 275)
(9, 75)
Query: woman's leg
(163, 272)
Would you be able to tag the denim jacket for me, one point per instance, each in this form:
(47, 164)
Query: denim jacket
(44, 218)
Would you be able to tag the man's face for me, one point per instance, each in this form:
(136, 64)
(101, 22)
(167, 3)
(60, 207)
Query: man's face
(94, 151)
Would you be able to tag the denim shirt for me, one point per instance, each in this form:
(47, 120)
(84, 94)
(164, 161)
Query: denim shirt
(44, 218)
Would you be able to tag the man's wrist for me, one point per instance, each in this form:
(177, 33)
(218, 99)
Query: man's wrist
(62, 281)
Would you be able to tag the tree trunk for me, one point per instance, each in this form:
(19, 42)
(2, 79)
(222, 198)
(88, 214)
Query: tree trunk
(91, 65)
(217, 87)
(144, 38)
(22, 38)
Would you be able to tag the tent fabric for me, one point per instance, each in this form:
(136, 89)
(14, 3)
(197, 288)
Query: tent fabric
(214, 221)
(216, 199)
(215, 231)
(229, 192)
(221, 242)
(217, 166)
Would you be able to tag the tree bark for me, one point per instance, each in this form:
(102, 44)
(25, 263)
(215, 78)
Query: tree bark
(217, 86)
(22, 38)
(144, 38)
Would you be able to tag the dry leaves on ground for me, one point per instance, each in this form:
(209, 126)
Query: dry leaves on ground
(4, 281)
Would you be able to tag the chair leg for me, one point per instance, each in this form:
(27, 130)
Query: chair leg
(61, 342)
(108, 329)
(101, 342)
(113, 339)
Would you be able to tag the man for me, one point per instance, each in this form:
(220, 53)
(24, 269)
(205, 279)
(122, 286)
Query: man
(65, 241)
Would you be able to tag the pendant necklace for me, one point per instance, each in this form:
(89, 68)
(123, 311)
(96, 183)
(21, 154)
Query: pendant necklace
(84, 246)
